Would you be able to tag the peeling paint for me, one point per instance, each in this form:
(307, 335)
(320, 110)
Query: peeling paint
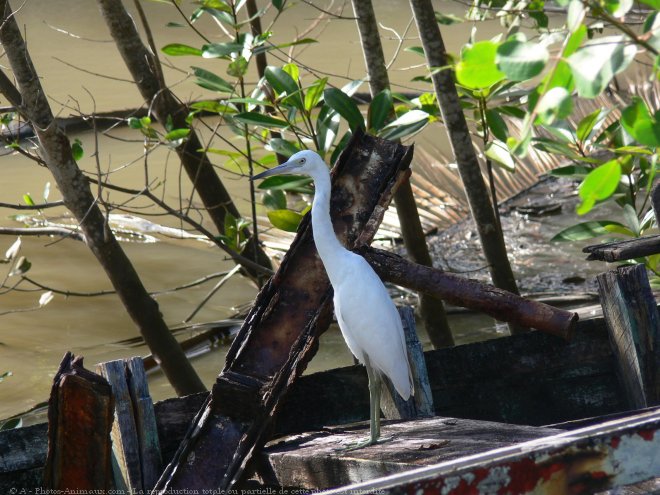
(616, 453)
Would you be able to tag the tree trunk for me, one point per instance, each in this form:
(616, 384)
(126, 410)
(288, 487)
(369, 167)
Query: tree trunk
(78, 198)
(483, 211)
(431, 309)
(145, 70)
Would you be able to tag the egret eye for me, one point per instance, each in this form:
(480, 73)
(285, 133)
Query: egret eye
(303, 160)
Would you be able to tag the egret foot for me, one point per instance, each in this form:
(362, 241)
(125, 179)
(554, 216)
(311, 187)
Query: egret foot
(363, 443)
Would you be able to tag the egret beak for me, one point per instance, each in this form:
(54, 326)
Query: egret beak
(285, 168)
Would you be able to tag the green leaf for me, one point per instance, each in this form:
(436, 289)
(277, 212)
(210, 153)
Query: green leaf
(591, 124)
(380, 110)
(521, 60)
(344, 106)
(287, 220)
(278, 4)
(274, 199)
(570, 171)
(27, 198)
(77, 149)
(314, 93)
(238, 67)
(293, 183)
(212, 106)
(209, 80)
(409, 123)
(589, 230)
(447, 19)
(575, 15)
(575, 40)
(259, 119)
(281, 81)
(498, 151)
(598, 61)
(655, 4)
(638, 122)
(301, 41)
(415, 49)
(477, 68)
(293, 71)
(618, 8)
(179, 49)
(556, 104)
(283, 147)
(598, 185)
(327, 125)
(177, 134)
(11, 424)
(221, 50)
(496, 124)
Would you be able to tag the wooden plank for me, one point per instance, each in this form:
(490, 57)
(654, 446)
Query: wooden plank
(79, 423)
(280, 333)
(632, 320)
(125, 444)
(421, 404)
(589, 460)
(312, 461)
(145, 419)
(624, 250)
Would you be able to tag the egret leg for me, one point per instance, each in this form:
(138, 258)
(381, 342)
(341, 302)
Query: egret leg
(375, 384)
(374, 402)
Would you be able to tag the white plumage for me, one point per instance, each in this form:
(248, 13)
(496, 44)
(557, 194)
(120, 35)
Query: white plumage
(369, 321)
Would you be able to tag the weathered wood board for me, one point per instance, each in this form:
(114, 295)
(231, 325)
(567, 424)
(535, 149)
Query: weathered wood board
(312, 461)
(613, 454)
(624, 250)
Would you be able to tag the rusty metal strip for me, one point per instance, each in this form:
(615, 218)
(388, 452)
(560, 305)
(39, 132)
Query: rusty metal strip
(588, 460)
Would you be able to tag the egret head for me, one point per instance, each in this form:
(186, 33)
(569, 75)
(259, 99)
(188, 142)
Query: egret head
(306, 162)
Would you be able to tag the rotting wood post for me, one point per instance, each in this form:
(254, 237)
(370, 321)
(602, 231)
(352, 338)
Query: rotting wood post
(280, 334)
(421, 404)
(633, 324)
(134, 435)
(145, 421)
(80, 412)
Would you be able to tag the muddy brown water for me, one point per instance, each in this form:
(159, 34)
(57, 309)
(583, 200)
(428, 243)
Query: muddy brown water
(66, 33)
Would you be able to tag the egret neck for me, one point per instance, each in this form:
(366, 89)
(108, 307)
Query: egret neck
(331, 251)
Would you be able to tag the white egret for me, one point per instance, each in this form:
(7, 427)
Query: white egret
(367, 317)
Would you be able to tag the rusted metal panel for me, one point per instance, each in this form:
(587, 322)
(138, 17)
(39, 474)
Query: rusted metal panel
(80, 414)
(588, 460)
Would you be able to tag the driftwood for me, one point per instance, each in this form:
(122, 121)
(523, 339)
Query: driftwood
(280, 332)
(632, 319)
(80, 418)
(461, 291)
